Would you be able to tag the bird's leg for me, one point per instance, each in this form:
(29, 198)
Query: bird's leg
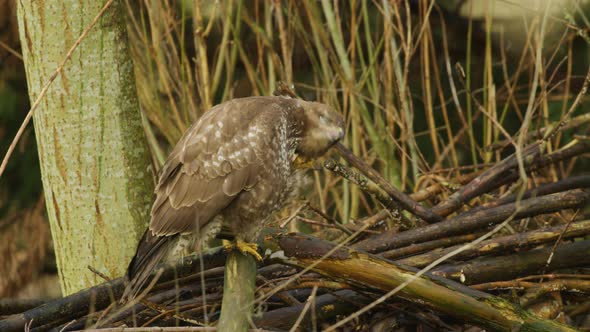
(243, 247)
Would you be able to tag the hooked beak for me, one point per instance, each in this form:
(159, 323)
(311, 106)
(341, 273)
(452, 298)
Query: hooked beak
(337, 134)
(340, 133)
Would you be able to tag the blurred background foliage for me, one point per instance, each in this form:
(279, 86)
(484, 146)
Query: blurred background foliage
(428, 87)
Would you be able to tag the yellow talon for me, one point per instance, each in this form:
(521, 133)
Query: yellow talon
(303, 163)
(227, 245)
(250, 248)
(243, 247)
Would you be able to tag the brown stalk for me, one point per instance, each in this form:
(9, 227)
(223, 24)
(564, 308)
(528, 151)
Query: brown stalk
(502, 244)
(417, 248)
(402, 199)
(515, 265)
(484, 182)
(470, 221)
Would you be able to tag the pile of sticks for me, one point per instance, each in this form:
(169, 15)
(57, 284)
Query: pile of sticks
(507, 261)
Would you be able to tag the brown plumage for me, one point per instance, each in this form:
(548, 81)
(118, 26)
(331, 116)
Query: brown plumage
(233, 166)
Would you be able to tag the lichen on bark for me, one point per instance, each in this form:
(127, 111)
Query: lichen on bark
(94, 160)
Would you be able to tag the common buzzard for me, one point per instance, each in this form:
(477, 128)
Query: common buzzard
(234, 166)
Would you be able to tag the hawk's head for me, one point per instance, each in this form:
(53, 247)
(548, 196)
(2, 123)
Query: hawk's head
(321, 128)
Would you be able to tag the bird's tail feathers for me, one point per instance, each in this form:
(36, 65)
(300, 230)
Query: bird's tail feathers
(150, 251)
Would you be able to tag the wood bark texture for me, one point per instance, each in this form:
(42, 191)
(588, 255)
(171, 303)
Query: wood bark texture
(94, 161)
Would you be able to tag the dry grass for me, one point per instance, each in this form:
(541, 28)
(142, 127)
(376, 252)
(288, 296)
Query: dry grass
(24, 244)
(423, 96)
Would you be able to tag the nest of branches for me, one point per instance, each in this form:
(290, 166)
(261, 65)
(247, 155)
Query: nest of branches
(491, 255)
(505, 247)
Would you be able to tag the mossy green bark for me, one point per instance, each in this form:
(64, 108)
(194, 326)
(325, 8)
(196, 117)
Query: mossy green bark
(94, 160)
(239, 288)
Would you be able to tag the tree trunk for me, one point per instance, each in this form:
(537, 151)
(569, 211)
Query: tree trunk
(94, 160)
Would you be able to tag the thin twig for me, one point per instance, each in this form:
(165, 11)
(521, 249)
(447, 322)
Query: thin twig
(292, 216)
(98, 273)
(11, 50)
(559, 238)
(573, 107)
(404, 200)
(308, 303)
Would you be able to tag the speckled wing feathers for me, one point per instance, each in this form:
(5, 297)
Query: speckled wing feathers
(218, 157)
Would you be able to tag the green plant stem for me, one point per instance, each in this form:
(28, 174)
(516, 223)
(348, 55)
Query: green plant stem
(238, 292)
(468, 86)
(404, 93)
